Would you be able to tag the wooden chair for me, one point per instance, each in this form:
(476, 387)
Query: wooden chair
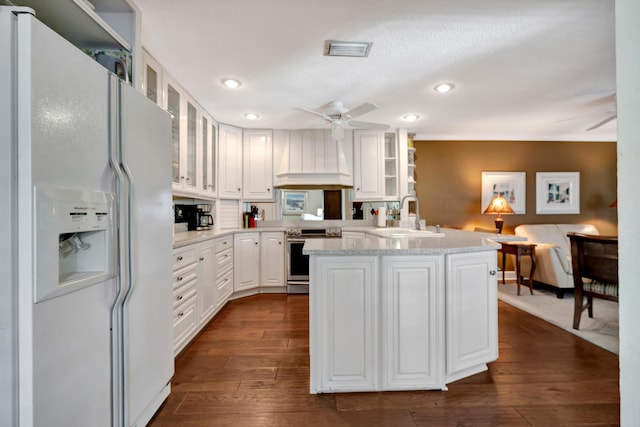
(594, 258)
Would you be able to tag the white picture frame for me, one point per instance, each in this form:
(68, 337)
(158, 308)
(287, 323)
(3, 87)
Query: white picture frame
(511, 185)
(557, 193)
(295, 202)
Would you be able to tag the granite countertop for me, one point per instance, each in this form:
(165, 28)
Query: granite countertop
(190, 237)
(447, 241)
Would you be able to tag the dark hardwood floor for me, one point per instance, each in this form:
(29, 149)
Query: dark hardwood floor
(250, 367)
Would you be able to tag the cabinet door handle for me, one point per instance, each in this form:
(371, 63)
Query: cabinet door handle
(279, 243)
(179, 297)
(201, 258)
(179, 279)
(180, 314)
(180, 258)
(492, 273)
(255, 243)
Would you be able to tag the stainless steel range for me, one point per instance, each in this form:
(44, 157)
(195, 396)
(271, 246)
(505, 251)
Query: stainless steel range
(297, 262)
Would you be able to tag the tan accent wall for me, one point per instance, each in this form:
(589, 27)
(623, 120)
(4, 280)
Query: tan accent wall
(448, 180)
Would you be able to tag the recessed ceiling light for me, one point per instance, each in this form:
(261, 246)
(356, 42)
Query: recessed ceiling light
(252, 116)
(411, 117)
(444, 87)
(231, 83)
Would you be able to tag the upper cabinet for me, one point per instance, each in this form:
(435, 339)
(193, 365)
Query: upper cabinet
(312, 157)
(208, 137)
(257, 161)
(230, 162)
(368, 165)
(98, 25)
(375, 165)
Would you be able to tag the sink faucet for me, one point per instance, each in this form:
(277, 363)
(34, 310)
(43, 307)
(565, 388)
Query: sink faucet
(414, 197)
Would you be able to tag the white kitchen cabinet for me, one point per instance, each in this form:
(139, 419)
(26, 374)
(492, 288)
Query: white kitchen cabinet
(223, 247)
(207, 290)
(412, 338)
(368, 165)
(184, 124)
(185, 284)
(257, 165)
(344, 339)
(391, 166)
(229, 162)
(272, 263)
(472, 313)
(152, 84)
(207, 157)
(246, 264)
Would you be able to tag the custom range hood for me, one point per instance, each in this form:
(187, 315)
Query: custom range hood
(310, 157)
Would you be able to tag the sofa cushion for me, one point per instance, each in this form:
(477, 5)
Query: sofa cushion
(555, 234)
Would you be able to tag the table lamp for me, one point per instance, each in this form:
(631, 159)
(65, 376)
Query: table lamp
(498, 205)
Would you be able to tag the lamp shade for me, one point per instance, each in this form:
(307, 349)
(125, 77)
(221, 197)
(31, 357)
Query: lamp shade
(498, 205)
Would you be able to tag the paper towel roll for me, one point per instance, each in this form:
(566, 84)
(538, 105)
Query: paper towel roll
(382, 217)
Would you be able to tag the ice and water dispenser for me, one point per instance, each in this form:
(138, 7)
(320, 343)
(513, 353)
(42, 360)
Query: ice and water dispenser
(74, 238)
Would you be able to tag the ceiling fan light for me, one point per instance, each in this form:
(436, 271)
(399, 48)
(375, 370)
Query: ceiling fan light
(444, 87)
(411, 117)
(231, 83)
(251, 116)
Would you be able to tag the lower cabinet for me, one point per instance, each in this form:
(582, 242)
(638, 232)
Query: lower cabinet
(344, 342)
(207, 290)
(401, 322)
(202, 284)
(272, 259)
(223, 247)
(246, 261)
(185, 280)
(472, 313)
(412, 340)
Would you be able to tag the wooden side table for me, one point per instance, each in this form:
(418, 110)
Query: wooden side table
(519, 249)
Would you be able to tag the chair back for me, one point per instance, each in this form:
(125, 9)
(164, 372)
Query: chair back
(594, 257)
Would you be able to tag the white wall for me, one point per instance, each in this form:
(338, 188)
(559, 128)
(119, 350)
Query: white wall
(628, 82)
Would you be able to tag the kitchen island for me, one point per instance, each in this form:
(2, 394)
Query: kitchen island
(413, 311)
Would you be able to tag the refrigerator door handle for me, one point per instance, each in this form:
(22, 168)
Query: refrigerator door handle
(122, 254)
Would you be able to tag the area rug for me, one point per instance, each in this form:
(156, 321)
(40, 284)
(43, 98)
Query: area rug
(602, 330)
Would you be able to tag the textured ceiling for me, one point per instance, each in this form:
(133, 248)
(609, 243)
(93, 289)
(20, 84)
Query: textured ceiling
(523, 70)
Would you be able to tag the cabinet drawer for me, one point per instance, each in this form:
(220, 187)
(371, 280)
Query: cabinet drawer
(225, 287)
(223, 243)
(224, 261)
(183, 257)
(183, 276)
(183, 293)
(184, 323)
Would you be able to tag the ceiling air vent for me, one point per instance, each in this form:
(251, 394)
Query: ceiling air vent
(336, 48)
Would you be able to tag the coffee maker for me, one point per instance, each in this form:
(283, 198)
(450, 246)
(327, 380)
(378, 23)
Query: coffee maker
(197, 217)
(203, 217)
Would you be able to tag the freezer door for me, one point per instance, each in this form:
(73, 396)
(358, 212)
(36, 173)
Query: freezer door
(148, 332)
(62, 142)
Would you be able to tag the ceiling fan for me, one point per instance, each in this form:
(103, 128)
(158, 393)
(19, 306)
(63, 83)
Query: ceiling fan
(600, 101)
(339, 117)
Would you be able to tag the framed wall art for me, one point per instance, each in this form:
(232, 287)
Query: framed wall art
(295, 202)
(557, 193)
(510, 185)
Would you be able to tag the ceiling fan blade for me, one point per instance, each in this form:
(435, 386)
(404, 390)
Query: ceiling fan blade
(317, 113)
(367, 125)
(360, 110)
(603, 122)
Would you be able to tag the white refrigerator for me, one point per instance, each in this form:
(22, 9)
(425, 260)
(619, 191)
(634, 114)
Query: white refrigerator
(86, 225)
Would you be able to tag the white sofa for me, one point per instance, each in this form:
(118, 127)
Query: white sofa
(553, 252)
